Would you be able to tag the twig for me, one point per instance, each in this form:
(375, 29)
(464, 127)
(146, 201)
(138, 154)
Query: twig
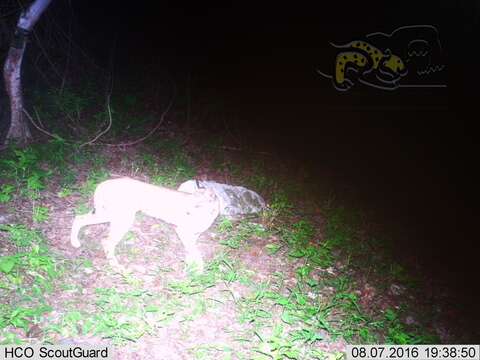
(101, 133)
(108, 96)
(69, 54)
(155, 128)
(37, 126)
(38, 118)
(231, 148)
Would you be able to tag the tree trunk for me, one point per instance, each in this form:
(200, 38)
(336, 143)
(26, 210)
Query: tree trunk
(19, 130)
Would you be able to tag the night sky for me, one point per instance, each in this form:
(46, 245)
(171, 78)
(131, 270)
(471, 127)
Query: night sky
(411, 153)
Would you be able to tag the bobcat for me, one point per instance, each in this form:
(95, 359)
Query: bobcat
(118, 200)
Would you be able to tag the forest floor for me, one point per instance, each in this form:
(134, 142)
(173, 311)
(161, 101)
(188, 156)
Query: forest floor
(302, 280)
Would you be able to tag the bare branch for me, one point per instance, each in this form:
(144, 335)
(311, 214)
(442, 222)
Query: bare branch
(155, 128)
(39, 128)
(101, 133)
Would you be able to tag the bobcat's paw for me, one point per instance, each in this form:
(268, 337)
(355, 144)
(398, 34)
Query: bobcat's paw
(113, 262)
(194, 268)
(75, 243)
(194, 263)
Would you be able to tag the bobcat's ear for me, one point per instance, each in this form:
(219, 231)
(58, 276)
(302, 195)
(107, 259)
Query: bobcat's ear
(211, 194)
(207, 194)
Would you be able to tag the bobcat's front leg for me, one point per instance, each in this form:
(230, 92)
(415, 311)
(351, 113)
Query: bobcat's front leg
(189, 240)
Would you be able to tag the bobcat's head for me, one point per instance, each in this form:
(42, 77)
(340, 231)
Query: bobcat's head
(206, 203)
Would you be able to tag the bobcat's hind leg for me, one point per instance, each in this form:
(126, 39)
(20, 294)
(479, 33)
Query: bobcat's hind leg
(118, 228)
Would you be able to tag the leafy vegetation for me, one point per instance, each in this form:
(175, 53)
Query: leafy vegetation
(276, 287)
(26, 276)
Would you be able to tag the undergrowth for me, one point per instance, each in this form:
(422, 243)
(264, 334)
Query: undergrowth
(313, 297)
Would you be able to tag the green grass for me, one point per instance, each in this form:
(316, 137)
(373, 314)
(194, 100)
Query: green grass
(26, 277)
(236, 235)
(95, 177)
(6, 193)
(122, 316)
(174, 171)
(313, 294)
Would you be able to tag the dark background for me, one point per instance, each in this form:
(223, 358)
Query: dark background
(411, 154)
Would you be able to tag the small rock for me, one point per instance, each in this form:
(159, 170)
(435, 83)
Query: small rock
(234, 200)
(410, 320)
(396, 289)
